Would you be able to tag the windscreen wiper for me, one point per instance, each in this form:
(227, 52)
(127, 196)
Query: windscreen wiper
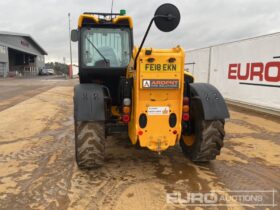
(104, 58)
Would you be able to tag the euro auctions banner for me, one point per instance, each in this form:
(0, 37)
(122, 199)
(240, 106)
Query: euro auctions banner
(247, 71)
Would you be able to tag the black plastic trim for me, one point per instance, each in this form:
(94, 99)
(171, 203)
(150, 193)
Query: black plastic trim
(143, 120)
(213, 104)
(89, 102)
(172, 120)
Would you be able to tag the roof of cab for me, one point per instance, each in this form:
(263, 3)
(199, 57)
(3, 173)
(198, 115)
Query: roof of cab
(95, 19)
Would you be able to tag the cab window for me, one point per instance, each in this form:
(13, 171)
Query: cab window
(106, 47)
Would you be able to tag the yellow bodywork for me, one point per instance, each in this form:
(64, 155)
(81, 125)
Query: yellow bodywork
(117, 19)
(95, 19)
(188, 74)
(162, 67)
(157, 103)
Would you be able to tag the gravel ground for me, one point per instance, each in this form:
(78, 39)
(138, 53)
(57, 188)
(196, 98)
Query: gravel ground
(38, 169)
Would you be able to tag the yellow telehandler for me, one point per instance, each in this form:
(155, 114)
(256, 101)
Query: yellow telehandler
(142, 91)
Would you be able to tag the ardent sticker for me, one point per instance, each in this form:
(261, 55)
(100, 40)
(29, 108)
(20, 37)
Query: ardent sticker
(160, 83)
(158, 110)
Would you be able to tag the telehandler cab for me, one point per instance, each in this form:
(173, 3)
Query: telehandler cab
(142, 91)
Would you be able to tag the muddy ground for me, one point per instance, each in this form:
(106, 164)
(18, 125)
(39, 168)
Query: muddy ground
(38, 170)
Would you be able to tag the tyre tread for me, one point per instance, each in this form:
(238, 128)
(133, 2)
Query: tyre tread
(89, 144)
(209, 136)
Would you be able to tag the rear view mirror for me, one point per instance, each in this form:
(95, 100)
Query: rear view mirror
(167, 17)
(74, 35)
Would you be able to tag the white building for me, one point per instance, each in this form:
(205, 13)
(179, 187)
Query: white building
(20, 54)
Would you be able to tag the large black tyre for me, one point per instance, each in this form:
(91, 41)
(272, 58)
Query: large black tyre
(89, 144)
(208, 136)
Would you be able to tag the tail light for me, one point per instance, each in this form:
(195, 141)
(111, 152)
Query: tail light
(126, 110)
(126, 118)
(186, 101)
(186, 117)
(186, 109)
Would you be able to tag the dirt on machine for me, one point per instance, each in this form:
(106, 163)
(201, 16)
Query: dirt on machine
(144, 92)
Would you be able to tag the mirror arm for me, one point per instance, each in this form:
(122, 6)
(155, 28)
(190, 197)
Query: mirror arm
(146, 34)
(143, 41)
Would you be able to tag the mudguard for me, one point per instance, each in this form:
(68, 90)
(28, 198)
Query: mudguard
(89, 102)
(213, 103)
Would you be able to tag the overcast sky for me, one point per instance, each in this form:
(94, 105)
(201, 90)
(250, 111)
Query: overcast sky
(203, 23)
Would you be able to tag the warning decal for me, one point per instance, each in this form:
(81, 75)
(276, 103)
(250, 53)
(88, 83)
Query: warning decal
(158, 110)
(160, 83)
